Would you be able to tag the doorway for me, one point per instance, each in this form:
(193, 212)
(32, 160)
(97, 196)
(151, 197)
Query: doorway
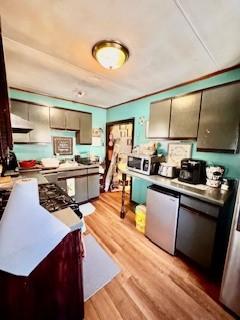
(119, 143)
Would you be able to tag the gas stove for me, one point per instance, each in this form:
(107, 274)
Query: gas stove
(51, 197)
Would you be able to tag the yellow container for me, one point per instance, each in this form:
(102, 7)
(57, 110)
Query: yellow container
(140, 217)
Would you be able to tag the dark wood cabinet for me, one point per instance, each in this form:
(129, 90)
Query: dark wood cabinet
(53, 290)
(185, 116)
(220, 119)
(84, 136)
(5, 122)
(159, 119)
(72, 120)
(57, 118)
(39, 117)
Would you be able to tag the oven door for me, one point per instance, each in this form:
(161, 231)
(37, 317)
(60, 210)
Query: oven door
(135, 163)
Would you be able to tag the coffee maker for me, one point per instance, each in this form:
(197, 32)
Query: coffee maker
(192, 171)
(11, 161)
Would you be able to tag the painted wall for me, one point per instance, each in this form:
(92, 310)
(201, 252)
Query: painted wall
(140, 108)
(38, 151)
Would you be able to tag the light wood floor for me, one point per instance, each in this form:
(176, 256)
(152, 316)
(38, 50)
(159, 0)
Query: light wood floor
(152, 284)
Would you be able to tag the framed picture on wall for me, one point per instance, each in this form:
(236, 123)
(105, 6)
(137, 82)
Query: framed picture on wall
(63, 145)
(178, 151)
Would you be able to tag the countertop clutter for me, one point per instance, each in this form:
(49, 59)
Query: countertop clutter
(202, 192)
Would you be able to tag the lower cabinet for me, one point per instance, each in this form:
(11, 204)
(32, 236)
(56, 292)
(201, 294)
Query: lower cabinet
(196, 231)
(82, 185)
(196, 236)
(81, 189)
(62, 183)
(93, 186)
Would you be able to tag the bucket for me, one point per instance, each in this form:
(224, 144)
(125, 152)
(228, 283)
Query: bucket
(140, 217)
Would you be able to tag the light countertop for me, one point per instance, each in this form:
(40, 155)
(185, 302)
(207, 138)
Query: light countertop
(215, 196)
(79, 167)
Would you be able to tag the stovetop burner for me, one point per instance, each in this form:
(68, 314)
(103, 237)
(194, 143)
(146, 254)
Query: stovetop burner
(51, 197)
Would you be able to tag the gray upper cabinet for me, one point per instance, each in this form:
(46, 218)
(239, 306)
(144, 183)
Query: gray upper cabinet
(57, 118)
(185, 116)
(219, 119)
(159, 119)
(72, 120)
(84, 136)
(20, 109)
(39, 116)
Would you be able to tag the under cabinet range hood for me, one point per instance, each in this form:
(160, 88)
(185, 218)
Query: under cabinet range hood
(20, 125)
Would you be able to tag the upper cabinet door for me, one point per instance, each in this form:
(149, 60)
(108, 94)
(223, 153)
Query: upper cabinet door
(185, 116)
(39, 116)
(57, 118)
(159, 119)
(72, 120)
(84, 136)
(219, 119)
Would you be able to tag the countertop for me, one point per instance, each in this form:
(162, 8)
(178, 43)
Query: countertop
(215, 196)
(69, 218)
(79, 167)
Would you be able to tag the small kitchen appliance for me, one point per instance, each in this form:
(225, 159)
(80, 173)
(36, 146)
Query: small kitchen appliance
(143, 163)
(214, 176)
(11, 161)
(162, 217)
(192, 171)
(167, 170)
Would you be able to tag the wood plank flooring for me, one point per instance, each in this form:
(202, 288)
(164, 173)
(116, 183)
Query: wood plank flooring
(152, 285)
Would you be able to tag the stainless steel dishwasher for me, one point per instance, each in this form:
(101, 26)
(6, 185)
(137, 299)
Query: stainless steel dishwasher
(162, 216)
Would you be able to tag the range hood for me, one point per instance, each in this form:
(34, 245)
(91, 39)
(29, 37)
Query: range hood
(20, 125)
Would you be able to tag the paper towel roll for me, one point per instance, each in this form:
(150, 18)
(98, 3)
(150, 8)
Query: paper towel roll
(28, 232)
(25, 190)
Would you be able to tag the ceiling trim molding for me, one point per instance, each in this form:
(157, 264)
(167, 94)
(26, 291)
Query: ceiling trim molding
(210, 75)
(58, 98)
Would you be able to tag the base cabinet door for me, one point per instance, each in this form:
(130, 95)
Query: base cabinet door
(196, 235)
(93, 186)
(62, 183)
(81, 189)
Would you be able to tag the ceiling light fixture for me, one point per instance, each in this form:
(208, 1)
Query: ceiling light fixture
(110, 54)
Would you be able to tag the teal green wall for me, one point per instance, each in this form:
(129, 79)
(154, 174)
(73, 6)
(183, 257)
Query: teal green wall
(140, 108)
(38, 151)
(136, 109)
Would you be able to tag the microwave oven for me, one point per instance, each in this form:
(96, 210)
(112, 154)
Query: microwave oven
(143, 164)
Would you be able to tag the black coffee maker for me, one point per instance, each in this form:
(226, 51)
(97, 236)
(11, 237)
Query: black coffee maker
(192, 171)
(11, 161)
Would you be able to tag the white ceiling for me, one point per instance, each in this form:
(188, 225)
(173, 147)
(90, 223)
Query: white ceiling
(48, 45)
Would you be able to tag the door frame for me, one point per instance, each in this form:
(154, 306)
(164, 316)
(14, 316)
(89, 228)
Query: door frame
(119, 122)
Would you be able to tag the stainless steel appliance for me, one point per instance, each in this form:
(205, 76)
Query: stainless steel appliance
(143, 164)
(162, 216)
(192, 171)
(11, 161)
(230, 289)
(167, 170)
(51, 197)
